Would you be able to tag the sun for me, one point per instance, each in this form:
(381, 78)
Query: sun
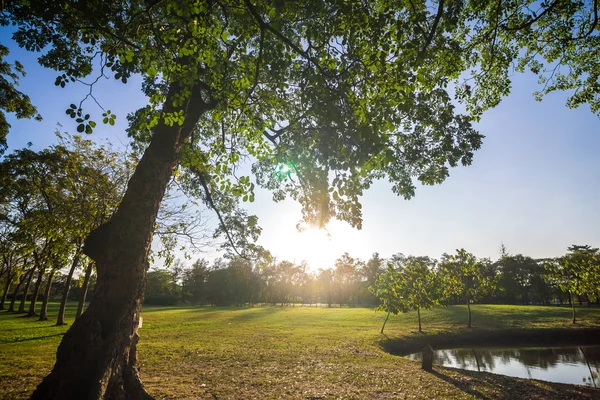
(316, 247)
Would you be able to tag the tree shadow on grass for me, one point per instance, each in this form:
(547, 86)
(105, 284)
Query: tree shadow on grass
(31, 338)
(256, 312)
(487, 386)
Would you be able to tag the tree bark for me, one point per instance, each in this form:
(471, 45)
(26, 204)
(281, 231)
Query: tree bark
(44, 311)
(25, 292)
(84, 289)
(6, 289)
(36, 291)
(419, 317)
(97, 358)
(60, 320)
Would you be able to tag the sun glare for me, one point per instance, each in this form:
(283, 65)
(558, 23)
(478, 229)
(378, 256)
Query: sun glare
(319, 248)
(315, 246)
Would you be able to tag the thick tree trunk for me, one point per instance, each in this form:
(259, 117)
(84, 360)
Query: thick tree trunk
(6, 289)
(60, 320)
(25, 292)
(97, 357)
(36, 291)
(11, 307)
(84, 289)
(44, 310)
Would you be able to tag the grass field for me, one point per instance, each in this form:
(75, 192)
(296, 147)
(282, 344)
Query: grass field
(297, 353)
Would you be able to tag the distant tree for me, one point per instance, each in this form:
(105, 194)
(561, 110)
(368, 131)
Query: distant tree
(516, 277)
(369, 273)
(346, 279)
(85, 284)
(194, 286)
(160, 288)
(465, 276)
(13, 259)
(325, 285)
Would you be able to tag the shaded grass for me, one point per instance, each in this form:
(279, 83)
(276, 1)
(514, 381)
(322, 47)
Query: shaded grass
(296, 352)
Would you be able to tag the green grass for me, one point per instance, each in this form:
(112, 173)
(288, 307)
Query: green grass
(295, 353)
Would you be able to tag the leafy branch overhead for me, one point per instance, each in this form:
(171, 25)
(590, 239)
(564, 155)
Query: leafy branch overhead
(347, 92)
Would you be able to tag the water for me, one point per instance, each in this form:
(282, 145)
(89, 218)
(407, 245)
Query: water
(574, 365)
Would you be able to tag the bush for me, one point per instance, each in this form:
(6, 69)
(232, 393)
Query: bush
(162, 300)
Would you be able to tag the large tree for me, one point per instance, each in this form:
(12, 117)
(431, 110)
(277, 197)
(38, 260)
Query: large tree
(342, 92)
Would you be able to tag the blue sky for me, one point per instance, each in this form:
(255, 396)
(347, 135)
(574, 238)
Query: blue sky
(534, 185)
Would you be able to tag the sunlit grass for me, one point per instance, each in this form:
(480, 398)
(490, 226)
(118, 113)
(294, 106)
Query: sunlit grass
(289, 352)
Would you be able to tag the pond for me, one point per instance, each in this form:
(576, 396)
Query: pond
(575, 365)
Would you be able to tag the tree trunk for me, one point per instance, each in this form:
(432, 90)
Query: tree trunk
(44, 311)
(34, 296)
(469, 309)
(385, 322)
(97, 358)
(6, 289)
(419, 317)
(60, 320)
(25, 292)
(572, 307)
(84, 289)
(11, 307)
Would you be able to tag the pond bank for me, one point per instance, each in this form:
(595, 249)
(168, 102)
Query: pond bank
(522, 337)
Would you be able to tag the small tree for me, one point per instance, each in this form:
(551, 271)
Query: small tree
(577, 273)
(387, 290)
(417, 284)
(463, 275)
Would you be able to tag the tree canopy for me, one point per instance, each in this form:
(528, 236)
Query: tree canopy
(345, 92)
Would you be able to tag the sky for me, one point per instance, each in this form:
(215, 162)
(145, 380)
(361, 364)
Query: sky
(533, 186)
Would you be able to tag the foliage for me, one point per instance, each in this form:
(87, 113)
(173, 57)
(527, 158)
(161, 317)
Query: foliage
(577, 271)
(463, 276)
(419, 283)
(387, 290)
(11, 99)
(521, 280)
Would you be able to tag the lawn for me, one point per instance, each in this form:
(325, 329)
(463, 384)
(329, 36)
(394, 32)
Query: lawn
(299, 352)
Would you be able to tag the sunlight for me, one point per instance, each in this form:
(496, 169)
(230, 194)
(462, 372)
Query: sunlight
(319, 248)
(315, 246)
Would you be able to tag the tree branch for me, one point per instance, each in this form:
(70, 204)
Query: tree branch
(532, 21)
(279, 35)
(212, 205)
(438, 17)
